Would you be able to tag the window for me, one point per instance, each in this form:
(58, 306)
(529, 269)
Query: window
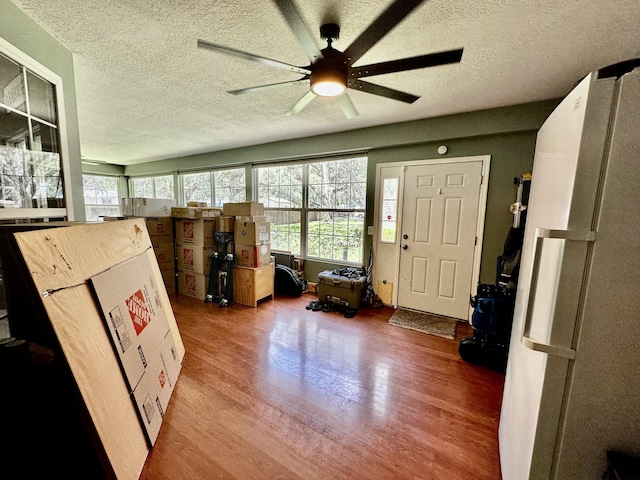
(30, 164)
(101, 196)
(216, 187)
(316, 209)
(152, 187)
(280, 190)
(389, 212)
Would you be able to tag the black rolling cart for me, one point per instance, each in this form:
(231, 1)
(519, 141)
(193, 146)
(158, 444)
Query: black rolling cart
(220, 289)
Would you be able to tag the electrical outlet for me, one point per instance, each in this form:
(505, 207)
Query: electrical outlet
(370, 230)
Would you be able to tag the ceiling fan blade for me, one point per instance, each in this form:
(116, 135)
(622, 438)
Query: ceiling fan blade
(269, 86)
(300, 104)
(294, 19)
(394, 14)
(254, 58)
(404, 64)
(347, 106)
(382, 91)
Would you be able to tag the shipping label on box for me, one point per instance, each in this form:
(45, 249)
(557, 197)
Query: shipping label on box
(193, 284)
(243, 208)
(128, 295)
(160, 229)
(252, 233)
(195, 232)
(193, 258)
(252, 255)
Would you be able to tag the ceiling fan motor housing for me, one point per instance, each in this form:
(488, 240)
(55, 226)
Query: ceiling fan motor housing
(332, 67)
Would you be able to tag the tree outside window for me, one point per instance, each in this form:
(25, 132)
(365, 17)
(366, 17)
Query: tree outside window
(316, 209)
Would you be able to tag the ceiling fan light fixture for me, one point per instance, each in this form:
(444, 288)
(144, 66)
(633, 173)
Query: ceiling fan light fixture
(328, 84)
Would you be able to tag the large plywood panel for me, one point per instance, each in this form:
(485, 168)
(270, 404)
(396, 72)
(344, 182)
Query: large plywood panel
(60, 262)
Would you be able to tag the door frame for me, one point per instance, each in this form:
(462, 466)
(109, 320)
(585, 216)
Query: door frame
(393, 265)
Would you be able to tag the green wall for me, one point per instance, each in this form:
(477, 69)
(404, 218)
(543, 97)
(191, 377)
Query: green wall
(511, 156)
(507, 134)
(24, 34)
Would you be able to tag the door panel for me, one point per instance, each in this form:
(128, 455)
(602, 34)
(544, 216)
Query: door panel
(452, 221)
(439, 213)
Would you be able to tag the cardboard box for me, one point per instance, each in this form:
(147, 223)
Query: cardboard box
(154, 390)
(252, 284)
(195, 232)
(243, 208)
(146, 207)
(193, 284)
(194, 258)
(252, 255)
(160, 229)
(197, 204)
(164, 254)
(225, 223)
(196, 212)
(252, 233)
(129, 300)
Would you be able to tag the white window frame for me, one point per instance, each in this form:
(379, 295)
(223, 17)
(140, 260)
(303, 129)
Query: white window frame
(305, 210)
(153, 178)
(8, 50)
(119, 195)
(212, 182)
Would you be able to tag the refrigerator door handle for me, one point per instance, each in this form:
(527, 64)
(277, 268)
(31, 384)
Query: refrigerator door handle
(541, 234)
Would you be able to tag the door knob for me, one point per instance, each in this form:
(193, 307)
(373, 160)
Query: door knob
(405, 236)
(405, 246)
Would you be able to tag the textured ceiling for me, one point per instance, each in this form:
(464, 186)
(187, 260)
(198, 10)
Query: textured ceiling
(145, 92)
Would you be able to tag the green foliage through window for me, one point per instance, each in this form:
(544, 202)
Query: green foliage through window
(322, 203)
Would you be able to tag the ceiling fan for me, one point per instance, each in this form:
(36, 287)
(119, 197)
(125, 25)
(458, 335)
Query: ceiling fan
(331, 72)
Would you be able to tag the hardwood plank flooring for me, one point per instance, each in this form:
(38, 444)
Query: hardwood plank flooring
(281, 392)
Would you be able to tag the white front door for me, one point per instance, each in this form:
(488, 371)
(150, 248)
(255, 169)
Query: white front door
(438, 236)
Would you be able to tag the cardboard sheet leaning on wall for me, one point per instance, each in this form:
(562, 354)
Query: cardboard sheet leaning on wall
(61, 261)
(129, 298)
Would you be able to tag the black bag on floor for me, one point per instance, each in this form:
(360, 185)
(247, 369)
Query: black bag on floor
(493, 310)
(287, 281)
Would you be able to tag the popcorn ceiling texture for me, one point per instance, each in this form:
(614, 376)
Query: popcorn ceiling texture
(145, 92)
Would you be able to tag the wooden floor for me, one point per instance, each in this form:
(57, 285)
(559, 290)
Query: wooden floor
(281, 392)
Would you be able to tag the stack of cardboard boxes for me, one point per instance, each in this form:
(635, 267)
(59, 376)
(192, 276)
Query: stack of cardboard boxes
(253, 271)
(161, 232)
(157, 215)
(195, 241)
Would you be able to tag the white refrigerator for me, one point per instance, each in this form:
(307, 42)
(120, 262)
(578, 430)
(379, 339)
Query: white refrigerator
(572, 384)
